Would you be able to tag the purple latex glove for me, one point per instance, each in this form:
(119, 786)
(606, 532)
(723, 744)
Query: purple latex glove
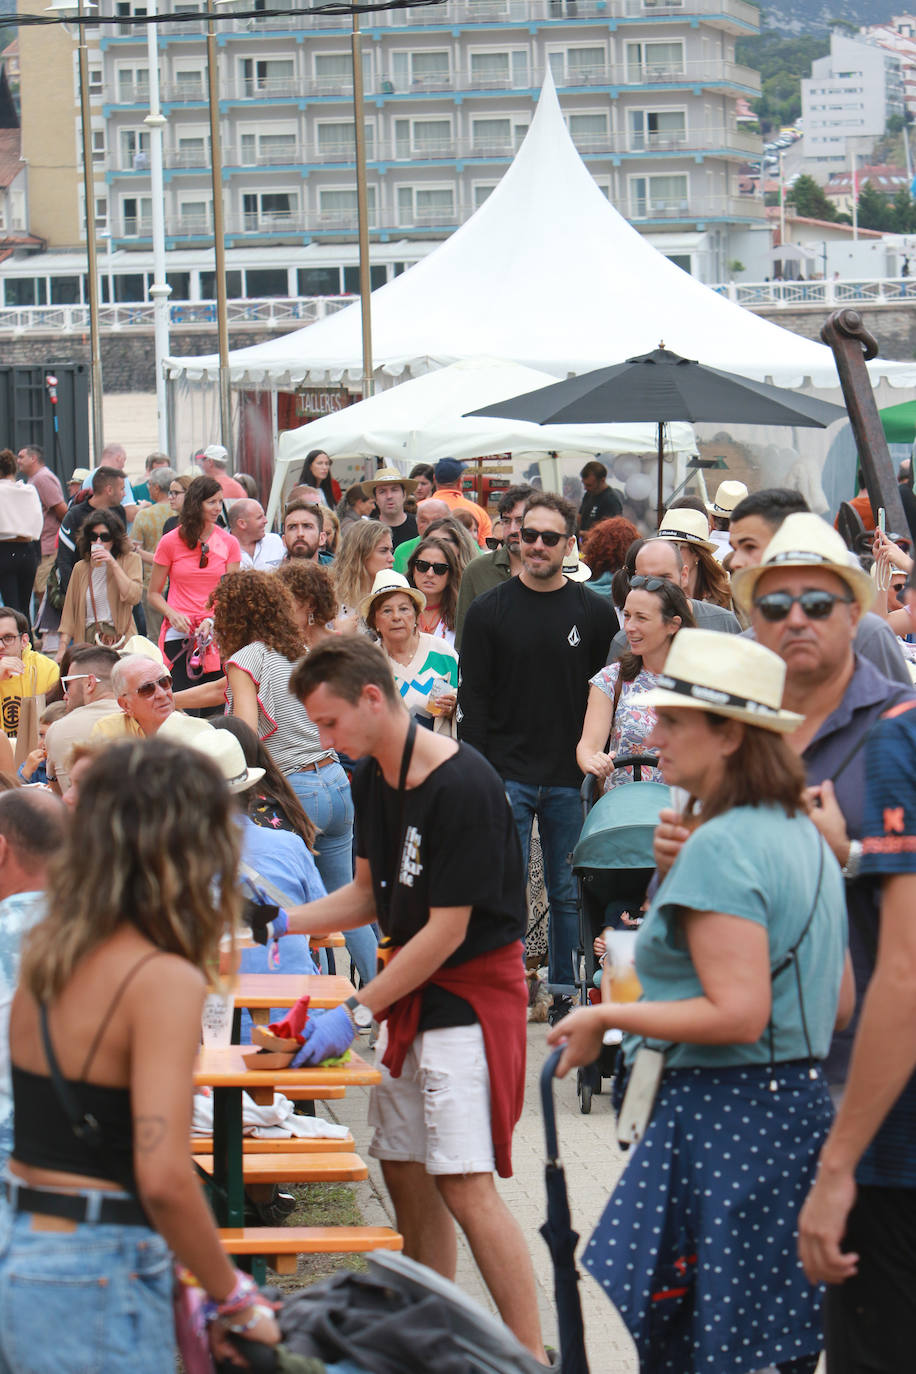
(327, 1035)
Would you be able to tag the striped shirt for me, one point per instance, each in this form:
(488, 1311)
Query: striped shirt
(283, 724)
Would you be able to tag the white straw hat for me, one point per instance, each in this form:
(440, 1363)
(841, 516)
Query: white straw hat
(392, 475)
(574, 568)
(805, 541)
(726, 499)
(686, 526)
(219, 746)
(388, 581)
(139, 644)
(726, 674)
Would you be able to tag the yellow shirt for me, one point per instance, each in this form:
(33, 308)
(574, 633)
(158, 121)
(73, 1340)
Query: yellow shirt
(115, 727)
(40, 675)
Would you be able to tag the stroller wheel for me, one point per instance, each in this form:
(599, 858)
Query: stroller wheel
(584, 1089)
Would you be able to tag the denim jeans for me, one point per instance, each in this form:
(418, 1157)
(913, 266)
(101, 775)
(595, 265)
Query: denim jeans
(325, 797)
(559, 813)
(96, 1297)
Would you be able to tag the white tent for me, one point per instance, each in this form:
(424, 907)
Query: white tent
(548, 274)
(422, 421)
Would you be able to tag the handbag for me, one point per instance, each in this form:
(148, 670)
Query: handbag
(102, 632)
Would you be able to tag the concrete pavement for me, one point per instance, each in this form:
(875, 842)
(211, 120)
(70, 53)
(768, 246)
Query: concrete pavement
(592, 1164)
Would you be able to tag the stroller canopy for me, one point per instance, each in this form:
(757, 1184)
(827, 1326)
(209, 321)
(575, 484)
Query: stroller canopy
(617, 833)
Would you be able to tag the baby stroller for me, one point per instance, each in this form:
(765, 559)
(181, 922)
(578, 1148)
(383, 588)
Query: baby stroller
(613, 863)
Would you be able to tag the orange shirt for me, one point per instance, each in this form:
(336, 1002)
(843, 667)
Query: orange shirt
(453, 498)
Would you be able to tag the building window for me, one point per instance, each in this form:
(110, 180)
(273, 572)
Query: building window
(656, 129)
(658, 196)
(654, 61)
(578, 66)
(193, 151)
(95, 88)
(491, 136)
(132, 85)
(269, 209)
(589, 132)
(208, 286)
(422, 138)
(499, 70)
(98, 145)
(275, 77)
(334, 73)
(378, 275)
(481, 192)
(318, 281)
(134, 145)
(268, 150)
(189, 84)
(337, 207)
(65, 290)
(266, 281)
(336, 141)
(432, 205)
(136, 215)
(180, 282)
(428, 70)
(195, 216)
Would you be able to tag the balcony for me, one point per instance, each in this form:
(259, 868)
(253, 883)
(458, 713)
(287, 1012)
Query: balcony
(264, 313)
(653, 210)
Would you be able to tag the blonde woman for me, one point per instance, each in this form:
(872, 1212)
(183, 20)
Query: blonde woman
(110, 995)
(366, 549)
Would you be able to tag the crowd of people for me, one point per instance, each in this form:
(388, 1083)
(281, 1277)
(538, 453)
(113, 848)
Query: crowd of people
(340, 667)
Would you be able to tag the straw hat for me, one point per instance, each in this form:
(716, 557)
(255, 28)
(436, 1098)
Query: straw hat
(726, 674)
(139, 644)
(390, 581)
(574, 568)
(727, 498)
(79, 475)
(219, 746)
(685, 526)
(805, 541)
(389, 475)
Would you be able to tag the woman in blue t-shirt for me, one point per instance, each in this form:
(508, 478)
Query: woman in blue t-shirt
(744, 975)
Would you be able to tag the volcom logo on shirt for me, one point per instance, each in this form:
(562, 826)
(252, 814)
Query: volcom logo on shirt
(411, 867)
(574, 638)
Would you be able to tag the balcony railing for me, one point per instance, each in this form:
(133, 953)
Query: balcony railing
(74, 319)
(785, 295)
(695, 208)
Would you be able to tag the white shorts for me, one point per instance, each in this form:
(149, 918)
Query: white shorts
(438, 1112)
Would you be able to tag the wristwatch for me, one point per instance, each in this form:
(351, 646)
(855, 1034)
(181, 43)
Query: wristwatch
(853, 862)
(360, 1015)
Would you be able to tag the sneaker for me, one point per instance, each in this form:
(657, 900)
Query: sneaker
(559, 1007)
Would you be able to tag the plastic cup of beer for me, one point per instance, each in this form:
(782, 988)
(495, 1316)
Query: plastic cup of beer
(441, 688)
(216, 1020)
(620, 946)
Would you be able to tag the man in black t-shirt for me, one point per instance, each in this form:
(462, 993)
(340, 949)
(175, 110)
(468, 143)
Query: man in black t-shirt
(438, 865)
(390, 490)
(528, 649)
(600, 501)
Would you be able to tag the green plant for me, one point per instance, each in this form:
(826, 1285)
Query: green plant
(736, 265)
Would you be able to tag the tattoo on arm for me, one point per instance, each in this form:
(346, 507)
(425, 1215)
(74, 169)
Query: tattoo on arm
(149, 1133)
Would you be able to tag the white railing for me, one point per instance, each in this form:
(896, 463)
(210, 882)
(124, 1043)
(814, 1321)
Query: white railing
(788, 295)
(74, 319)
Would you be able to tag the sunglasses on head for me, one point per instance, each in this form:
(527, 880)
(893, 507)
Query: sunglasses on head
(816, 604)
(102, 536)
(493, 543)
(204, 555)
(549, 538)
(422, 566)
(146, 689)
(648, 584)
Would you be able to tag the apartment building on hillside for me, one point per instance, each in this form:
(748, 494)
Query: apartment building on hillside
(649, 89)
(848, 99)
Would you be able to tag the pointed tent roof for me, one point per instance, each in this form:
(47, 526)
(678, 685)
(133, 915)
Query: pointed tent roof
(546, 273)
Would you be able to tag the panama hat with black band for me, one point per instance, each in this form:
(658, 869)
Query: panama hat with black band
(805, 541)
(386, 476)
(686, 526)
(726, 675)
(726, 499)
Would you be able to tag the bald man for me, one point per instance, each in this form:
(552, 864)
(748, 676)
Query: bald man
(433, 508)
(261, 549)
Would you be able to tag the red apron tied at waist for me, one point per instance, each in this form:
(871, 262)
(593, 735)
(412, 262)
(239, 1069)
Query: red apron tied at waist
(494, 985)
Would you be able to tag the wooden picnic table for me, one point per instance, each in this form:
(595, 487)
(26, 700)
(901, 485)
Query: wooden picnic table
(224, 1071)
(261, 991)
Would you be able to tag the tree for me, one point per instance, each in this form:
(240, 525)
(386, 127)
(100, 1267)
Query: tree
(903, 212)
(809, 199)
(875, 211)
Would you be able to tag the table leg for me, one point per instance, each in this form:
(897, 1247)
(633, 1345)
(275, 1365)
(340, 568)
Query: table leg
(228, 1178)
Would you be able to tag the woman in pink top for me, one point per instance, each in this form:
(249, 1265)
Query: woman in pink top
(192, 559)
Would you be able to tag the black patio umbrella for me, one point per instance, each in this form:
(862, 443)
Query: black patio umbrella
(662, 386)
(561, 1238)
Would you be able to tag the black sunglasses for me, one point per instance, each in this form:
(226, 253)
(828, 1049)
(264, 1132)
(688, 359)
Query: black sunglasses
(440, 569)
(204, 555)
(816, 604)
(105, 536)
(493, 543)
(649, 584)
(147, 689)
(550, 538)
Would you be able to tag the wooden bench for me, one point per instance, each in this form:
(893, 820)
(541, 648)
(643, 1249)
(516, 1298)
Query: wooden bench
(326, 1166)
(293, 1145)
(312, 1094)
(281, 1246)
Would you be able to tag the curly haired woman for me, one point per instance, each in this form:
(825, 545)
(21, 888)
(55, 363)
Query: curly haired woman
(604, 549)
(260, 643)
(314, 600)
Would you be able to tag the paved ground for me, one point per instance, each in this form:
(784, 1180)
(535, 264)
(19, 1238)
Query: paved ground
(592, 1164)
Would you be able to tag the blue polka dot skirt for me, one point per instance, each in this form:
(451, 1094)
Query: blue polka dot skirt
(697, 1245)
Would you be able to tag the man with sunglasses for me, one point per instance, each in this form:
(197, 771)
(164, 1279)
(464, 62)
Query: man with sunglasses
(144, 691)
(529, 648)
(90, 698)
(23, 671)
(498, 565)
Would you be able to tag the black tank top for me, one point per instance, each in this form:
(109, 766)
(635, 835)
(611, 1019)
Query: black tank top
(42, 1133)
